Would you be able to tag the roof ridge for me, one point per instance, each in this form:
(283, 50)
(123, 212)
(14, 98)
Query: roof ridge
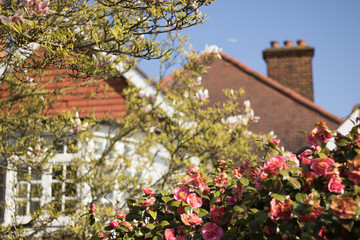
(281, 88)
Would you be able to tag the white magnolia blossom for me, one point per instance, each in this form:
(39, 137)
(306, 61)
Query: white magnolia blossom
(77, 124)
(240, 120)
(198, 80)
(212, 49)
(201, 95)
(247, 104)
(186, 94)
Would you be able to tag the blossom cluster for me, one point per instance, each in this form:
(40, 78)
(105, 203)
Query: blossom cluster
(311, 195)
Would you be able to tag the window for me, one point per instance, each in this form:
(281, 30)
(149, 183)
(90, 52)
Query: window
(66, 145)
(63, 187)
(28, 191)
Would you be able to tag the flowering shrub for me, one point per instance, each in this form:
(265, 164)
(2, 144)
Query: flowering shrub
(312, 195)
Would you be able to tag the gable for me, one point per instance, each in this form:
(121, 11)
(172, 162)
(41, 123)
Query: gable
(280, 109)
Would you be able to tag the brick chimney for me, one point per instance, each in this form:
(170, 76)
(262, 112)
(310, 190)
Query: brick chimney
(291, 66)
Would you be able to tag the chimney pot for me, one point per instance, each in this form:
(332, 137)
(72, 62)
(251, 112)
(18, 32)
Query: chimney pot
(287, 43)
(301, 42)
(274, 44)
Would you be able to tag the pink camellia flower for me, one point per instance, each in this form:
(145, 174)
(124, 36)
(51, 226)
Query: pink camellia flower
(194, 201)
(191, 219)
(181, 193)
(268, 230)
(322, 232)
(291, 158)
(237, 173)
(305, 156)
(196, 180)
(237, 192)
(92, 208)
(216, 214)
(220, 180)
(127, 225)
(322, 166)
(309, 216)
(319, 134)
(114, 224)
(273, 164)
(343, 207)
(148, 202)
(148, 191)
(335, 185)
(211, 231)
(354, 170)
(230, 201)
(275, 141)
(193, 169)
(281, 210)
(169, 234)
(122, 216)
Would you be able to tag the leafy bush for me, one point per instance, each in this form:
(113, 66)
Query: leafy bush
(311, 195)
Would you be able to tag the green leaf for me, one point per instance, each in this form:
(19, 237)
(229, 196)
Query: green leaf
(244, 181)
(201, 212)
(153, 214)
(150, 226)
(343, 142)
(300, 197)
(166, 199)
(285, 173)
(164, 223)
(175, 204)
(278, 197)
(254, 210)
(303, 132)
(322, 155)
(295, 183)
(347, 224)
(261, 216)
(215, 198)
(357, 190)
(188, 210)
(238, 209)
(277, 185)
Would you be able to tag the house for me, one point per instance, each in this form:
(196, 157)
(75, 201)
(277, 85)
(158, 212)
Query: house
(283, 100)
(24, 195)
(347, 125)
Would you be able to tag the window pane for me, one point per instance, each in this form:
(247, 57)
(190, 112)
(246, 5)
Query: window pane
(70, 189)
(72, 146)
(70, 205)
(57, 205)
(70, 172)
(22, 173)
(21, 208)
(22, 190)
(59, 145)
(35, 190)
(34, 205)
(35, 175)
(56, 190)
(57, 172)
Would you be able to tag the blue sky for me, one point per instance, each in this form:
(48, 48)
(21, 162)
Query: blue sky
(243, 28)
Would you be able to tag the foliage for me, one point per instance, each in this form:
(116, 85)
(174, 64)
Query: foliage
(56, 163)
(312, 195)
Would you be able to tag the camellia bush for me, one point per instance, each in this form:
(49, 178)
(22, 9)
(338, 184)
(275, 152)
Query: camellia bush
(311, 195)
